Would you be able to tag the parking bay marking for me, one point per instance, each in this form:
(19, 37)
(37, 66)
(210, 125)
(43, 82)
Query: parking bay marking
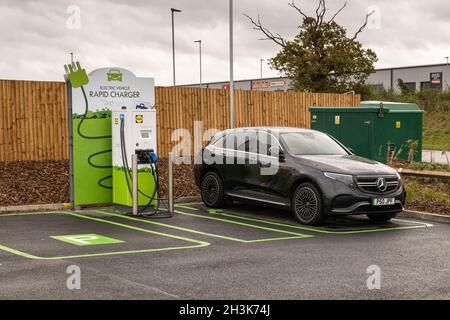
(30, 256)
(280, 224)
(294, 235)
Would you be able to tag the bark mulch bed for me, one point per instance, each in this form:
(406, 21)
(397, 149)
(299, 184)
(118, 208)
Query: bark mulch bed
(43, 182)
(34, 182)
(184, 185)
(427, 195)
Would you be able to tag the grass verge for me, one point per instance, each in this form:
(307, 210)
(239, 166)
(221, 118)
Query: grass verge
(421, 166)
(436, 130)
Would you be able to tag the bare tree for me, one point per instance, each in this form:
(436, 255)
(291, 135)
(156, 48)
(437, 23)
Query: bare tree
(321, 57)
(319, 19)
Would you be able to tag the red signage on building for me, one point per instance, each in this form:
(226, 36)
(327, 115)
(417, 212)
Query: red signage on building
(260, 85)
(436, 80)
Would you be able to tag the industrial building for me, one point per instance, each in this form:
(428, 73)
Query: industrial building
(415, 77)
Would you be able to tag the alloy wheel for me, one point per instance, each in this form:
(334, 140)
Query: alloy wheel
(306, 204)
(210, 189)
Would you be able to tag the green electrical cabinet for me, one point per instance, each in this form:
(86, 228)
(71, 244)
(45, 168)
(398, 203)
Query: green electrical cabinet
(375, 129)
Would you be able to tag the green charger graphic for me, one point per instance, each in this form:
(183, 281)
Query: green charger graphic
(90, 139)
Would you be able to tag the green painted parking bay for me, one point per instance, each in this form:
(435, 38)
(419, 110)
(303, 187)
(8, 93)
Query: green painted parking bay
(210, 227)
(102, 232)
(283, 220)
(72, 235)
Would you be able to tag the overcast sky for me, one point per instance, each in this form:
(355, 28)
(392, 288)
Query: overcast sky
(136, 34)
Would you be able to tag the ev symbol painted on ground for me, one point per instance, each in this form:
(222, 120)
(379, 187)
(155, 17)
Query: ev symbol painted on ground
(87, 239)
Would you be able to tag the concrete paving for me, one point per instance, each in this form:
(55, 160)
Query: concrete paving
(436, 156)
(243, 252)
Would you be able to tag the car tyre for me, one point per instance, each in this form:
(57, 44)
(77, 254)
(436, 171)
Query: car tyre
(307, 204)
(384, 217)
(212, 190)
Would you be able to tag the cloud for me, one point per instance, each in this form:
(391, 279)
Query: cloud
(137, 35)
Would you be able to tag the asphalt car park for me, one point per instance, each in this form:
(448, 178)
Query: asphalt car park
(246, 252)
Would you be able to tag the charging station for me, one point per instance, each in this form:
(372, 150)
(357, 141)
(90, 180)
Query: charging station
(113, 141)
(134, 133)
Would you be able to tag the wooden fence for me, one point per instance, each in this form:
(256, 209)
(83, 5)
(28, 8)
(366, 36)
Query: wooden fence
(34, 126)
(33, 120)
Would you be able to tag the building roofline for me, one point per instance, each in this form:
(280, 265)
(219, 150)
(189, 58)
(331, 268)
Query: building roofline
(414, 67)
(228, 81)
(283, 78)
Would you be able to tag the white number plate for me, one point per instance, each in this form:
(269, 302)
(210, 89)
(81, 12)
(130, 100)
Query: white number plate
(383, 201)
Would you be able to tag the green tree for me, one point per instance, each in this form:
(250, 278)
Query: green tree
(322, 57)
(404, 89)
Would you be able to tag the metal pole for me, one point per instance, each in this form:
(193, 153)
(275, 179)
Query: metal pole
(170, 184)
(134, 184)
(173, 43)
(173, 50)
(200, 51)
(231, 67)
(261, 74)
(201, 82)
(70, 127)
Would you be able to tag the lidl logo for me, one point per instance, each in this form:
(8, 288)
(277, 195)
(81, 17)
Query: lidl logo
(87, 239)
(139, 118)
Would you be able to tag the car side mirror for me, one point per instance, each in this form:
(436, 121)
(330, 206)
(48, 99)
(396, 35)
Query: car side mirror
(281, 156)
(273, 150)
(277, 152)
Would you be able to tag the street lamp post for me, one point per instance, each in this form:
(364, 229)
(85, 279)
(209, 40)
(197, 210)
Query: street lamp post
(173, 42)
(200, 53)
(231, 66)
(261, 74)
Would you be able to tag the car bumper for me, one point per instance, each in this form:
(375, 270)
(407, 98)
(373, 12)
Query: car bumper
(341, 199)
(365, 207)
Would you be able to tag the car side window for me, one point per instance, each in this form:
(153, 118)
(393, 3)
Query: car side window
(219, 143)
(265, 141)
(247, 141)
(230, 141)
(251, 145)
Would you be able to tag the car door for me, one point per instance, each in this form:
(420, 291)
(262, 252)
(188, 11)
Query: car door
(267, 173)
(247, 145)
(214, 154)
(234, 160)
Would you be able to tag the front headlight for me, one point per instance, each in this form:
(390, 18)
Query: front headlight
(344, 178)
(399, 177)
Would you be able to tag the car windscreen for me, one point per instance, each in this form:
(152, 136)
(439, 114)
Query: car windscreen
(311, 143)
